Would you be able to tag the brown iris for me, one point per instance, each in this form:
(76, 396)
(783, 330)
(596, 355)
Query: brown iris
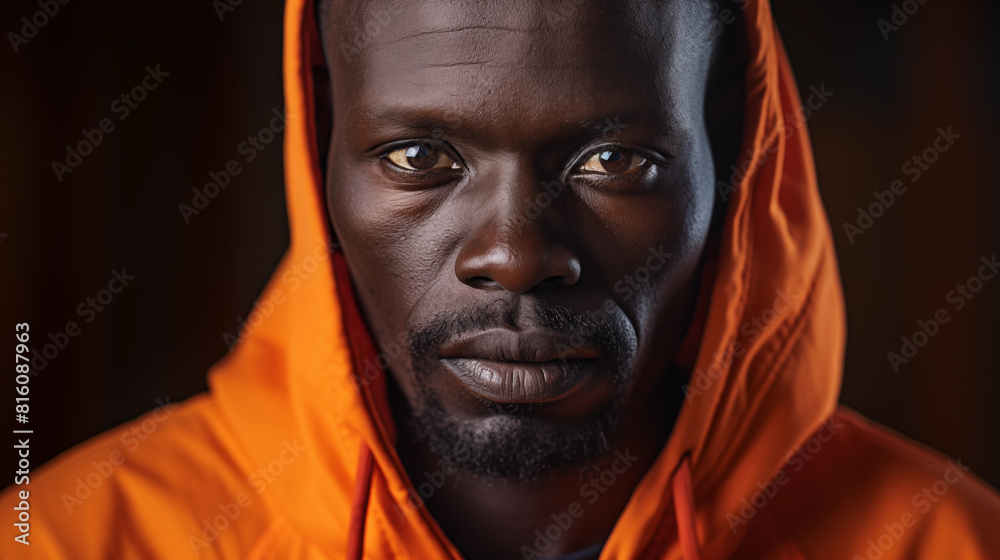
(614, 162)
(421, 157)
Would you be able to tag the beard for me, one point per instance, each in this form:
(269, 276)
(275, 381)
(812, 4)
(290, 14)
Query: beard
(516, 441)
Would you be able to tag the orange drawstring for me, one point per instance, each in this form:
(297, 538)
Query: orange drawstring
(359, 505)
(684, 510)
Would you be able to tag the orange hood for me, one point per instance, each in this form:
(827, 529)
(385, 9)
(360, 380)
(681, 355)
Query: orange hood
(767, 373)
(291, 454)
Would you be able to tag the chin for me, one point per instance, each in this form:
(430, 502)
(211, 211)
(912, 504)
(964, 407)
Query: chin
(517, 444)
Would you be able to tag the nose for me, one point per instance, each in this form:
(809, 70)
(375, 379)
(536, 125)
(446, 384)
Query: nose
(517, 246)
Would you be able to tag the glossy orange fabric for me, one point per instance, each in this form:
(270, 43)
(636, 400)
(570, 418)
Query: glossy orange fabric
(265, 465)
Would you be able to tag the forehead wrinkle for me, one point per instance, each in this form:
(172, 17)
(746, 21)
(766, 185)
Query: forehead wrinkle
(450, 62)
(538, 68)
(458, 29)
(469, 45)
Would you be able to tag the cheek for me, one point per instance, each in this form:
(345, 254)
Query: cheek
(385, 238)
(660, 246)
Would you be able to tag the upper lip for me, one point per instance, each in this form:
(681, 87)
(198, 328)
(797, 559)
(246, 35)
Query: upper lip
(521, 346)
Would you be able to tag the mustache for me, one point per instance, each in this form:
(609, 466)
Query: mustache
(609, 333)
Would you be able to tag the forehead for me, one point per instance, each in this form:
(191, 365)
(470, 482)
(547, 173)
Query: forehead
(581, 57)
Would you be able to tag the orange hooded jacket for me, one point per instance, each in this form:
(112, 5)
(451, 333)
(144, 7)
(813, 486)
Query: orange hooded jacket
(290, 454)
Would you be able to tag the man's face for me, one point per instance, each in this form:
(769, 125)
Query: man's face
(523, 192)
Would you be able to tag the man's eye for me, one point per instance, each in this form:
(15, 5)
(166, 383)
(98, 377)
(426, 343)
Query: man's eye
(421, 157)
(617, 161)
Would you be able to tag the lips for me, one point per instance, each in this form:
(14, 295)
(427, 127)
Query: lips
(526, 366)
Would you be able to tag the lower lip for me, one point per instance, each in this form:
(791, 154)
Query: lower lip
(521, 382)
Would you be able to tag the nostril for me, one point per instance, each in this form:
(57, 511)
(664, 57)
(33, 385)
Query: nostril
(480, 282)
(561, 281)
(555, 281)
(517, 261)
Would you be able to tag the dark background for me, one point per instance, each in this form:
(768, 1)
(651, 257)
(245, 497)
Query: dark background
(59, 241)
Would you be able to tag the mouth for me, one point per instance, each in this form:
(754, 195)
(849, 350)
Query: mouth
(527, 366)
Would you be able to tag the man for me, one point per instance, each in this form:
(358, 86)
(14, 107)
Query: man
(537, 319)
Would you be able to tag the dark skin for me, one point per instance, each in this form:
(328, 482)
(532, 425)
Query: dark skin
(447, 124)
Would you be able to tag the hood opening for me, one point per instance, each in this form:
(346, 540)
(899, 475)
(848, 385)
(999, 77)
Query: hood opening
(764, 375)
